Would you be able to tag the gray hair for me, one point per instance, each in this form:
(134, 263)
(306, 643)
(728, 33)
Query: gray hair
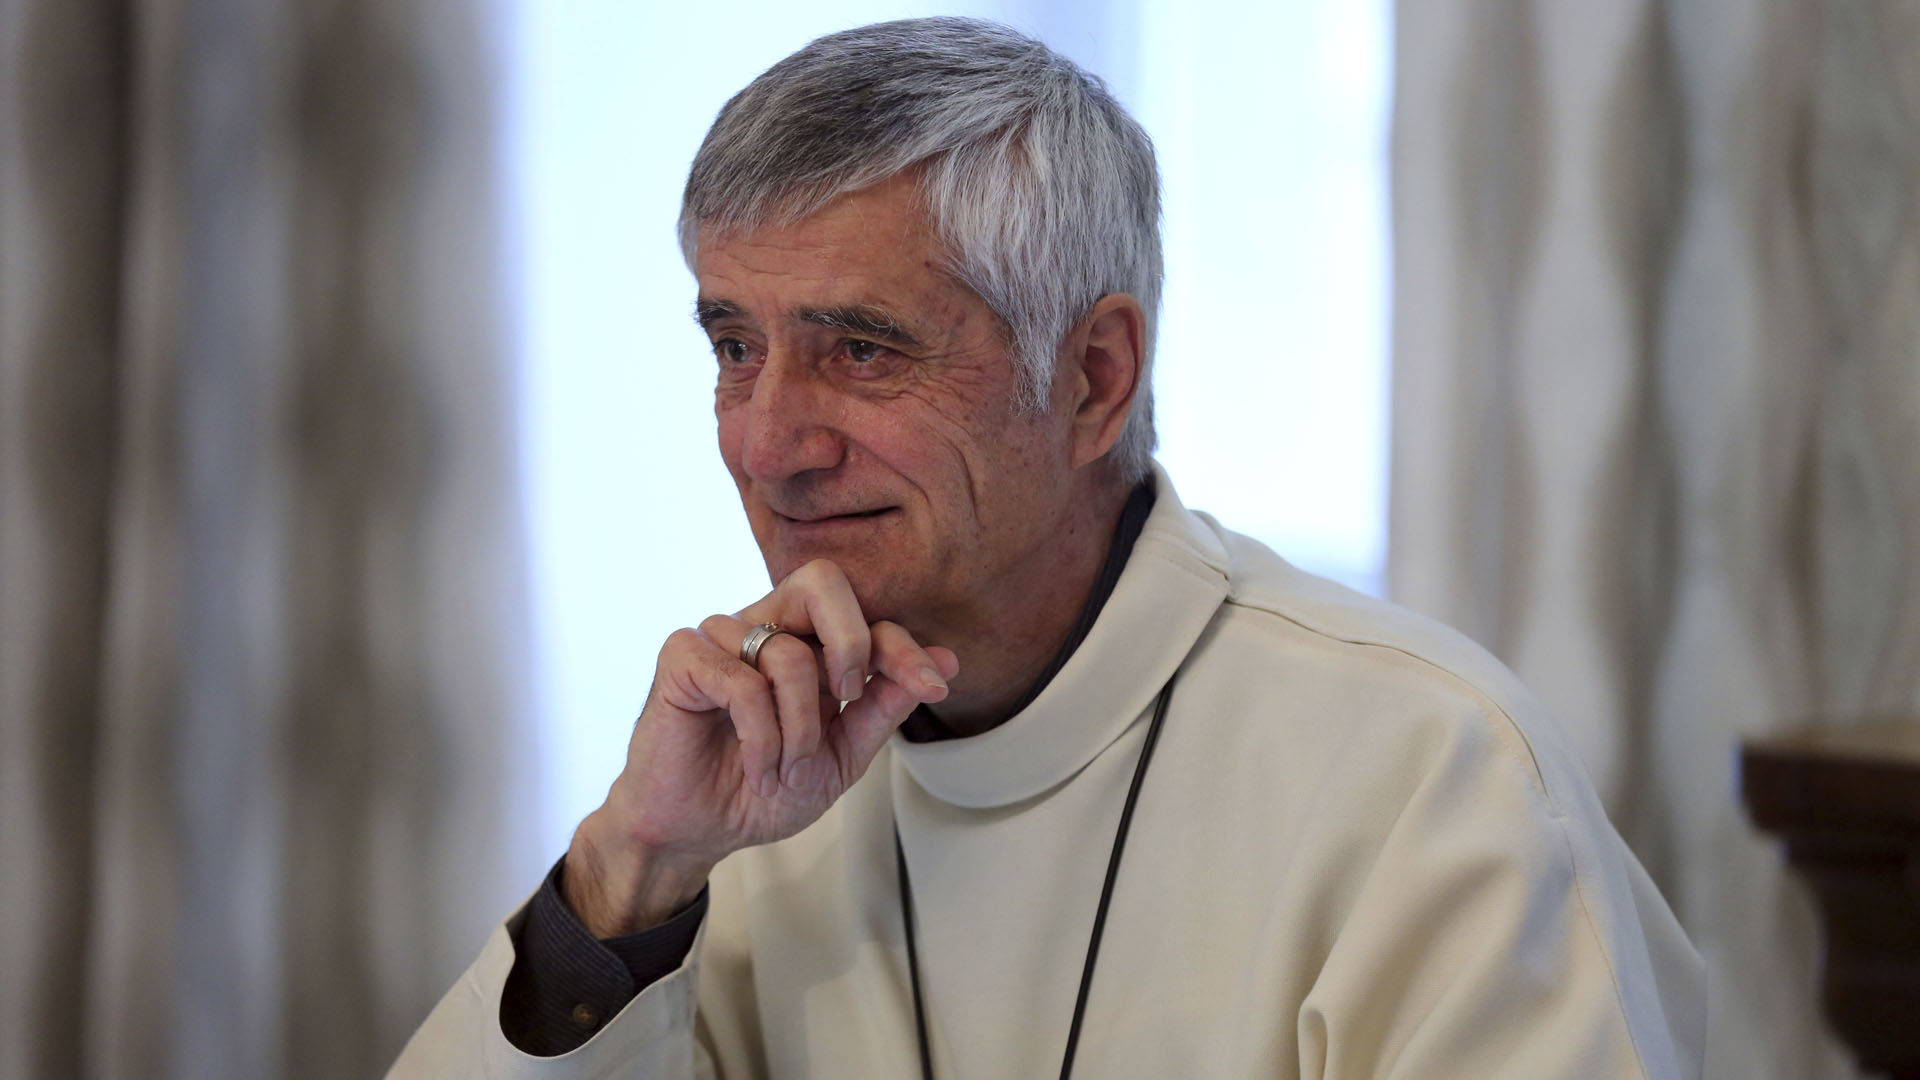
(1041, 187)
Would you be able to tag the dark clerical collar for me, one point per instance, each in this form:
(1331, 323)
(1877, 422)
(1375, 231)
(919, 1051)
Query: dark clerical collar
(923, 726)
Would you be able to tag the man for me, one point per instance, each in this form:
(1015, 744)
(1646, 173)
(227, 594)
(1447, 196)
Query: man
(1113, 791)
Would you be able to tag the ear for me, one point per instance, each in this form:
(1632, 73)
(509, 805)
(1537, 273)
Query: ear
(1103, 361)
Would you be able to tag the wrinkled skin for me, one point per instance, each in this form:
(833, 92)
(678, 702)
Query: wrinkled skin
(867, 412)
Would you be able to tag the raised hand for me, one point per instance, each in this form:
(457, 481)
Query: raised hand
(727, 755)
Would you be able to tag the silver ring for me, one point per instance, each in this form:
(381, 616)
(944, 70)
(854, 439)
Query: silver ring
(757, 637)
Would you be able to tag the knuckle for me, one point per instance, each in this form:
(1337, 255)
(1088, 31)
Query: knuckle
(819, 574)
(685, 640)
(722, 665)
(892, 638)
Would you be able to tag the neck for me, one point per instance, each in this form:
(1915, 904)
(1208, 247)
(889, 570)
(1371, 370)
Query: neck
(1005, 646)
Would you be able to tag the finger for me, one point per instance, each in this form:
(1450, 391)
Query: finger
(698, 674)
(818, 600)
(865, 725)
(946, 660)
(791, 670)
(792, 667)
(789, 664)
(908, 664)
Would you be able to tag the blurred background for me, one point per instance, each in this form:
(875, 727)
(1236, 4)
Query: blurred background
(357, 454)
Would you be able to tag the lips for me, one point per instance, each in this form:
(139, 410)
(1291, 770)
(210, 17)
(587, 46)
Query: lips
(850, 515)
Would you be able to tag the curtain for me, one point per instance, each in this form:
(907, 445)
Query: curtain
(264, 733)
(1657, 406)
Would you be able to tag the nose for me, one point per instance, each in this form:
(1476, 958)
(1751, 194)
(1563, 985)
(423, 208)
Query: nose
(788, 423)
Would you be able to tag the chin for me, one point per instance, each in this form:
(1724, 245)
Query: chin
(879, 597)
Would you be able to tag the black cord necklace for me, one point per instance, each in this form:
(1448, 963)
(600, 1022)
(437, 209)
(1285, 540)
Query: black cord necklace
(1099, 915)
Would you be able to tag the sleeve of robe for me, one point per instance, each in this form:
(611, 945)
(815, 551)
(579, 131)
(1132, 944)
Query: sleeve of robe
(1497, 927)
(657, 1035)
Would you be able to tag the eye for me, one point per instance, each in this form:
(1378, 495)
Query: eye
(732, 352)
(868, 359)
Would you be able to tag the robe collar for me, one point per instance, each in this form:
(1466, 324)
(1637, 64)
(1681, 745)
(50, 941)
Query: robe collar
(1166, 593)
(923, 725)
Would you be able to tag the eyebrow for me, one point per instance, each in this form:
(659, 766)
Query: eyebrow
(865, 320)
(707, 312)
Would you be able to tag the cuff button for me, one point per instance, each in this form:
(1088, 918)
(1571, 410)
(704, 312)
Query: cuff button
(586, 1016)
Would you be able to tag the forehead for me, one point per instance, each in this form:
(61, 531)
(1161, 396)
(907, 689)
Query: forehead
(874, 245)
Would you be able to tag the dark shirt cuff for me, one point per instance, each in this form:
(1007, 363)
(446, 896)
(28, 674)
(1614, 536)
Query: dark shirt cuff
(566, 983)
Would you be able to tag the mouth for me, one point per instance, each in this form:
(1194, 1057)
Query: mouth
(837, 519)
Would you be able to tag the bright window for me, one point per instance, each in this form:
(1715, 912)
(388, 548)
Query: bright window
(1270, 121)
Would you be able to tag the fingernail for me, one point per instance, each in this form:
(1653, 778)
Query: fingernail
(800, 773)
(931, 679)
(769, 782)
(850, 685)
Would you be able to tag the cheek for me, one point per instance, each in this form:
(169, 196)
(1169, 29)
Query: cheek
(917, 447)
(730, 432)
(1028, 464)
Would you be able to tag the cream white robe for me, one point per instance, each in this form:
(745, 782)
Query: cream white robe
(1361, 850)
